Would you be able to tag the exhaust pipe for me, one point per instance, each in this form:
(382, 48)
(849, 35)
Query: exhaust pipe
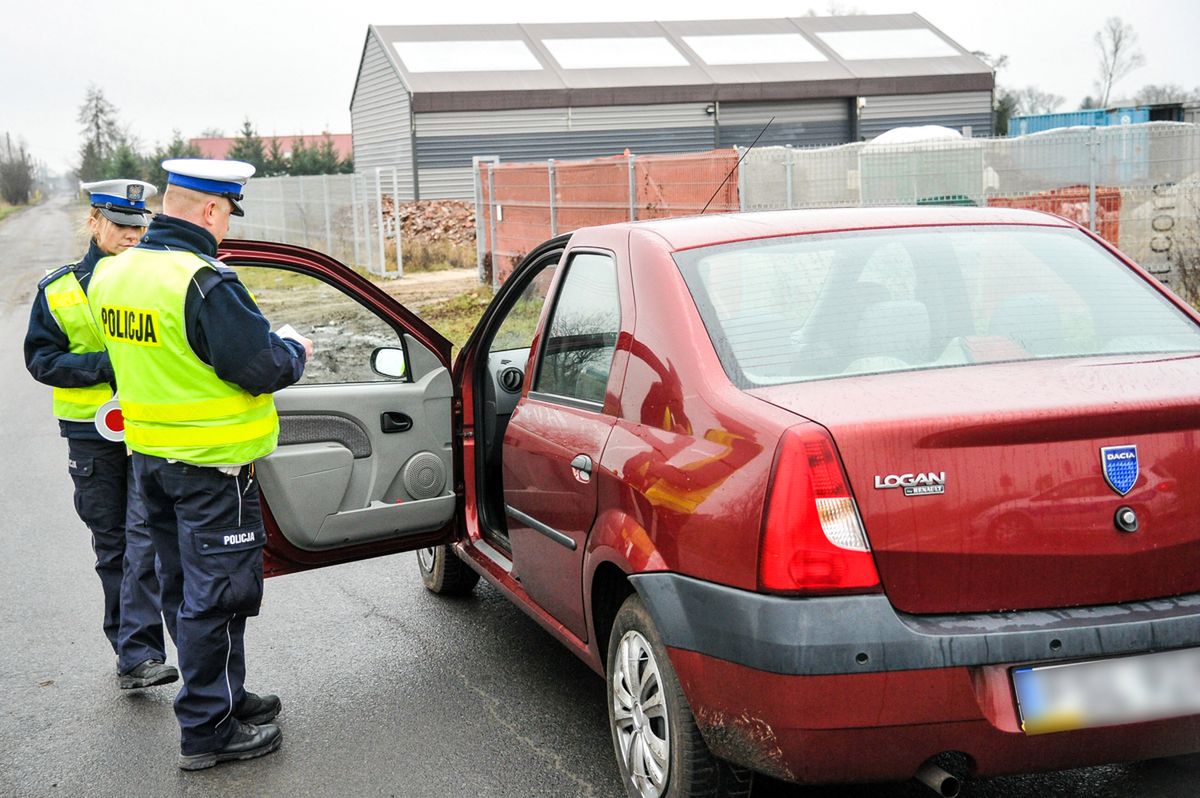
(943, 783)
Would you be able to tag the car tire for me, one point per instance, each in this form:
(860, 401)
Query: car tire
(443, 573)
(640, 737)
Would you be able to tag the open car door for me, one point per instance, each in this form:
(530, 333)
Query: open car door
(365, 462)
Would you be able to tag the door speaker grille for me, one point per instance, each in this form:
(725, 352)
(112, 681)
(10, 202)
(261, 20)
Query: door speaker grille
(424, 475)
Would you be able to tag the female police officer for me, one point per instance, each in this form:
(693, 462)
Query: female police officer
(63, 348)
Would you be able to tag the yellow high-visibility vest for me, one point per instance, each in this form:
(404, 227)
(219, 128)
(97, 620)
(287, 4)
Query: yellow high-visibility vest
(69, 306)
(175, 405)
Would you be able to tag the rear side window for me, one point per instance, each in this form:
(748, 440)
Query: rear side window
(821, 306)
(582, 334)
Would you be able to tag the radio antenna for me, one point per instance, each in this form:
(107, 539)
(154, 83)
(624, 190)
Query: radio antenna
(736, 165)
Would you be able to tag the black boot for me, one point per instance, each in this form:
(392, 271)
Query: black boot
(148, 674)
(247, 742)
(258, 709)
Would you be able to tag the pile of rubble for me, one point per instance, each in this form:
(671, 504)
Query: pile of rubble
(435, 221)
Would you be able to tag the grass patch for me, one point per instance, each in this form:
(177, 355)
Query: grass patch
(457, 316)
(420, 257)
(6, 209)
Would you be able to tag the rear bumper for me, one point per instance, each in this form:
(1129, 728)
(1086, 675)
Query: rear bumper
(845, 689)
(864, 634)
(883, 726)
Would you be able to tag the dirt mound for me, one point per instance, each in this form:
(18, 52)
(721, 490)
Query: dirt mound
(445, 221)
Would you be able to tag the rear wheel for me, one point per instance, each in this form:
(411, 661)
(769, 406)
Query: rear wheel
(443, 573)
(659, 749)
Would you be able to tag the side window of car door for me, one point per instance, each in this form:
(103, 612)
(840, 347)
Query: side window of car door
(344, 333)
(582, 333)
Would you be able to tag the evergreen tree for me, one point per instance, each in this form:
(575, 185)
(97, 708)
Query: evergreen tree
(326, 157)
(177, 147)
(101, 134)
(125, 163)
(301, 161)
(91, 164)
(275, 161)
(249, 148)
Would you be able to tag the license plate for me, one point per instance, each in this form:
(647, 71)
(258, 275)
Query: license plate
(1081, 695)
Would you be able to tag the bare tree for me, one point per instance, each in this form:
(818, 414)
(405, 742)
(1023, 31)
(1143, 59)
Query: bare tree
(16, 172)
(1154, 94)
(1119, 55)
(1032, 100)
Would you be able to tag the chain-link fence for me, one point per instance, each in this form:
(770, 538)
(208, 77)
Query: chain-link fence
(1137, 186)
(350, 217)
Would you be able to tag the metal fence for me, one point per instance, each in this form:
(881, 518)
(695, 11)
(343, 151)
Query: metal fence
(350, 217)
(1138, 186)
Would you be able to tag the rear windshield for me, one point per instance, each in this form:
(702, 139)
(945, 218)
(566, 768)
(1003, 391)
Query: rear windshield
(821, 306)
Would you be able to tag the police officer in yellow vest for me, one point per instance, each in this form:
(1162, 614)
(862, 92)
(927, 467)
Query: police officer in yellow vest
(63, 348)
(196, 363)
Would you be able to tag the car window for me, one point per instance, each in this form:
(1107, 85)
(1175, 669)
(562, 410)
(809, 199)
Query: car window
(344, 333)
(830, 305)
(518, 327)
(582, 334)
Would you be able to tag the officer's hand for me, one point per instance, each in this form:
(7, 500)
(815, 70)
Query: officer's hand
(308, 345)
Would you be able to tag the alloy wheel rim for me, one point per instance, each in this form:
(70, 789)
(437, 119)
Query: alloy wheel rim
(426, 558)
(640, 716)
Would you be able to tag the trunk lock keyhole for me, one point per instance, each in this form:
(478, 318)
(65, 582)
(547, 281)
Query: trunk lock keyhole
(1126, 519)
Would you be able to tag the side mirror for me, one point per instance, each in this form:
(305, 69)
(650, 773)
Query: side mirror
(388, 361)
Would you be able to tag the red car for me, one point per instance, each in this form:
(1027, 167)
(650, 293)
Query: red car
(751, 469)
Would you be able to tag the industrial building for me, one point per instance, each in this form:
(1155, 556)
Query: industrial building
(428, 98)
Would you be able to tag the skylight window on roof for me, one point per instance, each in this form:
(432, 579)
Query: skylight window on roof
(863, 45)
(754, 48)
(615, 53)
(503, 55)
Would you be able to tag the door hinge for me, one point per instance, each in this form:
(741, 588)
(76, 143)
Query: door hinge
(466, 434)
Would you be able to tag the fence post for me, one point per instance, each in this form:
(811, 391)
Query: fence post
(787, 166)
(328, 214)
(303, 210)
(492, 221)
(741, 183)
(283, 228)
(382, 236)
(478, 186)
(1093, 168)
(396, 219)
(354, 215)
(553, 206)
(632, 189)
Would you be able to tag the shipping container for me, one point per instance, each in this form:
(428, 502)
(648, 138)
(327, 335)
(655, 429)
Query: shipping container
(1093, 117)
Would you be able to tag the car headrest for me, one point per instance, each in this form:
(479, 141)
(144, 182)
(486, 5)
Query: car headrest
(1032, 320)
(898, 328)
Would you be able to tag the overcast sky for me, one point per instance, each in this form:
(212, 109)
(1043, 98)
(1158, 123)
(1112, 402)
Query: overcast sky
(290, 66)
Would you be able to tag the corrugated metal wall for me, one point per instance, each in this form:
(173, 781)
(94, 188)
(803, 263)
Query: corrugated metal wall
(809, 123)
(380, 117)
(953, 109)
(448, 141)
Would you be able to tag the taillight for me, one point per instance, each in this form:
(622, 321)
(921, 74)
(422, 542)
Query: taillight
(813, 540)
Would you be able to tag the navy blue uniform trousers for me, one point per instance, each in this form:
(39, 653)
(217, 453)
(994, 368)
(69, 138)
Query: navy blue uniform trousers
(207, 529)
(124, 562)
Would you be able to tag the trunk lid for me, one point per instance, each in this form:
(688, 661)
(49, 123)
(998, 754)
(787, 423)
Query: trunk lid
(1025, 518)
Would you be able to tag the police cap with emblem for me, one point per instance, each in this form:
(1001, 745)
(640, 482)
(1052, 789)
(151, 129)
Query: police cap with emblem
(223, 178)
(122, 202)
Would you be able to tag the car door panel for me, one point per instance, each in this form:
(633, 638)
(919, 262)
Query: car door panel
(399, 485)
(363, 468)
(539, 446)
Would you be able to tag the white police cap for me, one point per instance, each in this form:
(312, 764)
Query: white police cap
(121, 201)
(223, 178)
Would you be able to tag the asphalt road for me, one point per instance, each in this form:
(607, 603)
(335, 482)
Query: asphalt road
(387, 689)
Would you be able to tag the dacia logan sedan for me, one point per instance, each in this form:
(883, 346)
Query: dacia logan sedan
(830, 495)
